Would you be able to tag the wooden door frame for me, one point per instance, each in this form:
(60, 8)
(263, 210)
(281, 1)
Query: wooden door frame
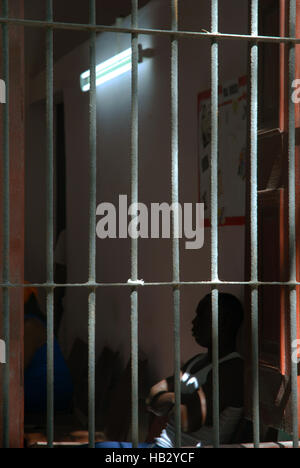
(17, 138)
(283, 131)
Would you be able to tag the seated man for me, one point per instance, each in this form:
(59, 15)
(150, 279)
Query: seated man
(197, 381)
(35, 356)
(197, 386)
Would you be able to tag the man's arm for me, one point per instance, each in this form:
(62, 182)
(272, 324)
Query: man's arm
(154, 402)
(231, 388)
(167, 385)
(193, 411)
(193, 408)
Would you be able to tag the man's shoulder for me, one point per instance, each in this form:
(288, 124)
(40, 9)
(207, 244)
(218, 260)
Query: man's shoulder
(234, 366)
(195, 362)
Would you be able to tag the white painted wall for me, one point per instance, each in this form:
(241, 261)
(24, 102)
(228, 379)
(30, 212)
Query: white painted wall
(113, 110)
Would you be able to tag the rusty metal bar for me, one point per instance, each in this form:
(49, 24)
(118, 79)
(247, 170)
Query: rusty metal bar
(50, 229)
(175, 217)
(134, 241)
(171, 284)
(92, 226)
(145, 31)
(215, 216)
(254, 219)
(292, 221)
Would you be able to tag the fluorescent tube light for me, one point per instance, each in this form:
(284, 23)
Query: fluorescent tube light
(106, 71)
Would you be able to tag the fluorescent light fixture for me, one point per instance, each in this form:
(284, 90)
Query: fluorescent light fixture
(108, 70)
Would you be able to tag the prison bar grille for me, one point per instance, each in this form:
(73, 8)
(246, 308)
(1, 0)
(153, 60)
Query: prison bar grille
(92, 228)
(174, 34)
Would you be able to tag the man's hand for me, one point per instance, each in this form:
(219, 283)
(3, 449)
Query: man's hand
(161, 401)
(166, 385)
(156, 389)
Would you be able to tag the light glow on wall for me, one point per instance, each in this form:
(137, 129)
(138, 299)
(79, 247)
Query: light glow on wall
(108, 70)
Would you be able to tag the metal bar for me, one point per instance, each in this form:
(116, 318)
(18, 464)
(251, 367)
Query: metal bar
(292, 221)
(92, 226)
(6, 230)
(175, 218)
(134, 241)
(215, 217)
(145, 31)
(166, 284)
(254, 219)
(50, 229)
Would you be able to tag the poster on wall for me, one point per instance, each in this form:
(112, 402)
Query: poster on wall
(232, 152)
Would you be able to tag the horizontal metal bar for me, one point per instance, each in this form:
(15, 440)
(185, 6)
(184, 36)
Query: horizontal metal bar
(172, 284)
(143, 31)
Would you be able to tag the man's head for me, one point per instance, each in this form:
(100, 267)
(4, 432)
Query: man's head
(230, 320)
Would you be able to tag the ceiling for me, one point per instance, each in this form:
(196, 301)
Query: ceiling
(74, 11)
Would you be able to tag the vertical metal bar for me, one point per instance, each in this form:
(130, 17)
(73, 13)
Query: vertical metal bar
(134, 242)
(6, 229)
(175, 218)
(292, 220)
(92, 225)
(214, 216)
(254, 218)
(50, 230)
